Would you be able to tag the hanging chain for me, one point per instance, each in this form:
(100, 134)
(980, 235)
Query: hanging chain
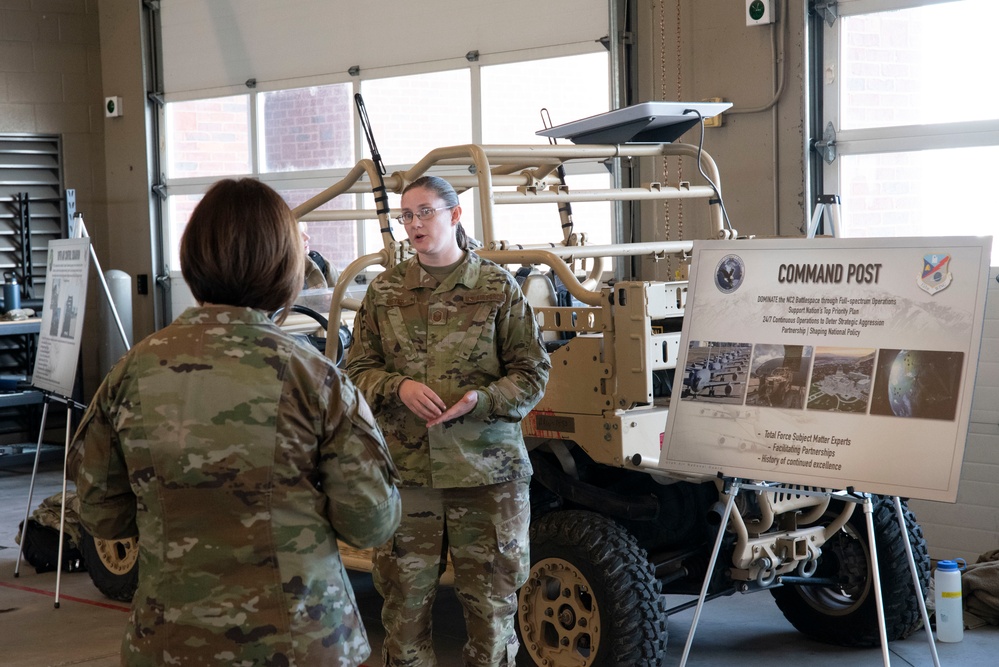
(679, 97)
(663, 96)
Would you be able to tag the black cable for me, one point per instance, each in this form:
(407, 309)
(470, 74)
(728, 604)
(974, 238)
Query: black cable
(565, 208)
(700, 148)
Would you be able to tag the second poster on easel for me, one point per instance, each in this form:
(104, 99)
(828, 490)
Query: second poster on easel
(62, 316)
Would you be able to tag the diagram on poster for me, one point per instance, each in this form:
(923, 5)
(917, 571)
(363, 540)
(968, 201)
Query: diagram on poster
(833, 363)
(62, 316)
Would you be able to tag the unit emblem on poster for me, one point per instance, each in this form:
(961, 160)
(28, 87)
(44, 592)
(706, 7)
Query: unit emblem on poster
(936, 273)
(729, 273)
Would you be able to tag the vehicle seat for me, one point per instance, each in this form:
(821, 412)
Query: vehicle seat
(540, 293)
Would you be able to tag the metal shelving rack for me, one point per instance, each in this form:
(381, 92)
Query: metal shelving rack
(32, 207)
(34, 210)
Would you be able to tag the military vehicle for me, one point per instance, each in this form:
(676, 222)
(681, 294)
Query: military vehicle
(613, 537)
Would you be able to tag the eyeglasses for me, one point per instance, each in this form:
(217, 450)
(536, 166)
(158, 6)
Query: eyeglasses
(423, 214)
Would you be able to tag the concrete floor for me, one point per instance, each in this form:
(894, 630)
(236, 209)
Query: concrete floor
(85, 631)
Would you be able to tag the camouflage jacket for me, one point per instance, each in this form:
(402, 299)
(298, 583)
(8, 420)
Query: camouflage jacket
(317, 276)
(473, 331)
(239, 457)
(49, 514)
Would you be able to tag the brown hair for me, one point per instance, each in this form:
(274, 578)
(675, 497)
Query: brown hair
(242, 247)
(445, 191)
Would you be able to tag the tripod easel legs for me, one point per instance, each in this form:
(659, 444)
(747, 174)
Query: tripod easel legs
(79, 231)
(62, 513)
(31, 487)
(876, 576)
(70, 404)
(900, 515)
(731, 490)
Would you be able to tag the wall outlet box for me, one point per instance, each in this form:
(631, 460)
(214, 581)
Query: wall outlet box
(112, 107)
(760, 12)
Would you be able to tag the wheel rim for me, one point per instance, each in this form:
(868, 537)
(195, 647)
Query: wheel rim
(851, 558)
(559, 616)
(117, 556)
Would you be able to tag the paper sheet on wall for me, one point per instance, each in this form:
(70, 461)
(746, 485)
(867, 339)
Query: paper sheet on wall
(834, 363)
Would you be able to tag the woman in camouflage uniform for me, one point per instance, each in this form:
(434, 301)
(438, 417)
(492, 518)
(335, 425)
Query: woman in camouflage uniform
(447, 352)
(238, 457)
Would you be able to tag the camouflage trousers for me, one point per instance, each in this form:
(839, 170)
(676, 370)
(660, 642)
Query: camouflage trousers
(485, 531)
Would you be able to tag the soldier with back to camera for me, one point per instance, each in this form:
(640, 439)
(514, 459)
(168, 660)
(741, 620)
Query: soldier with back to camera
(239, 457)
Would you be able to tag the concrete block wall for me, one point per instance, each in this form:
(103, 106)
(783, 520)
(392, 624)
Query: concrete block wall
(50, 83)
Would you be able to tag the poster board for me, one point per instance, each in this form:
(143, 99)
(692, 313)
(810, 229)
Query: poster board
(835, 363)
(62, 316)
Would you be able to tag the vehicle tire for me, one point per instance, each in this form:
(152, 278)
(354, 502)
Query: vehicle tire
(846, 615)
(113, 565)
(592, 599)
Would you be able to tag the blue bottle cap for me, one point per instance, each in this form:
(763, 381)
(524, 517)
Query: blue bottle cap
(947, 565)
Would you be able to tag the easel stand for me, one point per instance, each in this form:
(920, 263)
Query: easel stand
(70, 406)
(79, 231)
(731, 490)
(828, 206)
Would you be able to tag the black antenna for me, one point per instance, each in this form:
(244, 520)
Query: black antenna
(362, 113)
(564, 210)
(381, 194)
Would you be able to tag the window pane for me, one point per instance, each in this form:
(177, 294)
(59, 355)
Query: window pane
(919, 65)
(903, 194)
(412, 115)
(335, 240)
(208, 137)
(179, 210)
(307, 128)
(530, 224)
(513, 95)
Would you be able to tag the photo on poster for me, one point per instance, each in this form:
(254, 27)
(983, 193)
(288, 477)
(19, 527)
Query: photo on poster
(841, 379)
(778, 376)
(716, 372)
(922, 384)
(65, 299)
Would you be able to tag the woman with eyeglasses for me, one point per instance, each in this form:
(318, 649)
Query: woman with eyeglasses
(448, 354)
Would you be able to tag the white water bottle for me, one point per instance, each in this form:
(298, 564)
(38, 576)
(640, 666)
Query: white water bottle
(949, 603)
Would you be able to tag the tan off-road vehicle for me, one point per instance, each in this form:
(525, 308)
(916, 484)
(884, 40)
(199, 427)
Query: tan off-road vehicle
(612, 535)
